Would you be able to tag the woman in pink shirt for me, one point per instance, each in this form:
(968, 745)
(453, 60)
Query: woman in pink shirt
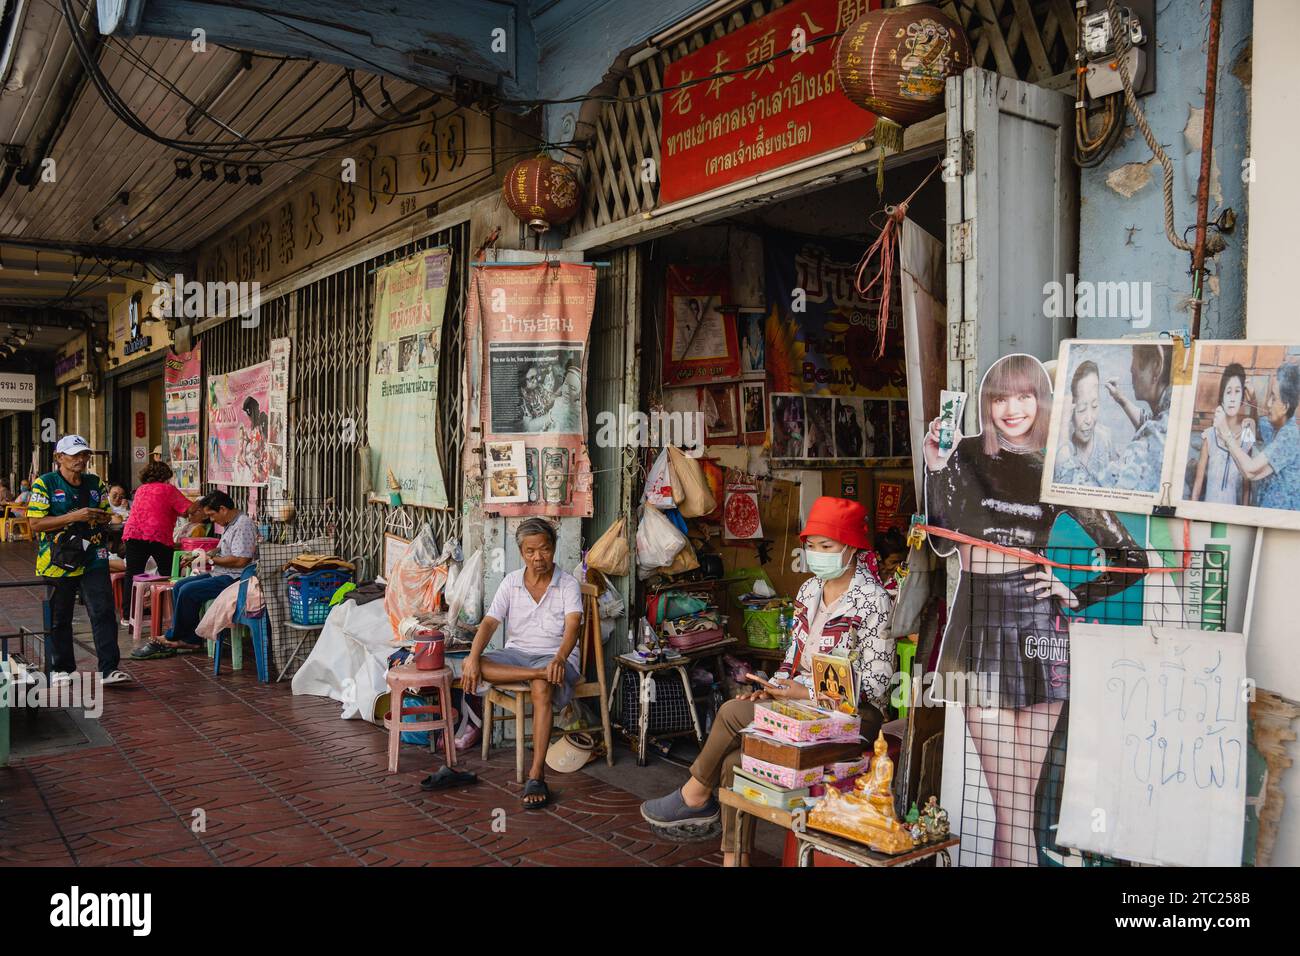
(148, 530)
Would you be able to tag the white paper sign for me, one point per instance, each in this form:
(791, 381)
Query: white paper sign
(17, 392)
(1156, 766)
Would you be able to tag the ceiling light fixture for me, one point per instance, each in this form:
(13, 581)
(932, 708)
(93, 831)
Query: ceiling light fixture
(232, 174)
(36, 269)
(253, 175)
(207, 170)
(183, 168)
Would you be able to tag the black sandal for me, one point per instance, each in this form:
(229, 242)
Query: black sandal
(535, 788)
(446, 778)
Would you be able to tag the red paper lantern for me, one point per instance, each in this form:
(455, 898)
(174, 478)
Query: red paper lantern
(894, 62)
(541, 192)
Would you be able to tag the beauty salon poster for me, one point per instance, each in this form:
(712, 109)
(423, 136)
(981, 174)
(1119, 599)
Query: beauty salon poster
(402, 402)
(238, 427)
(531, 323)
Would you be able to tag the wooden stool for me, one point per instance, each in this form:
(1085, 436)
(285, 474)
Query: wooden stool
(442, 716)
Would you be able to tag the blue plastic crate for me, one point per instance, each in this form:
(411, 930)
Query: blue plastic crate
(309, 595)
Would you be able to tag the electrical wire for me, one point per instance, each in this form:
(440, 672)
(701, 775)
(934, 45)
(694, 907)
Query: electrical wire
(1091, 151)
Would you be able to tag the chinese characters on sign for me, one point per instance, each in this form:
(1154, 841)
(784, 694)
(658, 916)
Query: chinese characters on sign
(770, 99)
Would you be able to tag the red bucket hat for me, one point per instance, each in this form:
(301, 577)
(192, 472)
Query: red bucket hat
(839, 519)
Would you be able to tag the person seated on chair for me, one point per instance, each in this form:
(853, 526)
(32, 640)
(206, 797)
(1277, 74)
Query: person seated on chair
(238, 549)
(24, 492)
(118, 504)
(6, 495)
(541, 606)
(843, 606)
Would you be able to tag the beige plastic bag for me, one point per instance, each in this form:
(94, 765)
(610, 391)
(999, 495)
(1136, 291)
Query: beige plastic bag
(683, 562)
(609, 554)
(690, 488)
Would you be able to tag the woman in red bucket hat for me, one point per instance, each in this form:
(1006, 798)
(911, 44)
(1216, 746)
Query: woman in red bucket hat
(843, 607)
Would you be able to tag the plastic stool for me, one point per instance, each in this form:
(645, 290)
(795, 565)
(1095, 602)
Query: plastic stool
(116, 580)
(442, 716)
(237, 634)
(141, 585)
(160, 608)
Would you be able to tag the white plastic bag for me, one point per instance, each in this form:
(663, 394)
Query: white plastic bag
(657, 541)
(465, 593)
(659, 484)
(417, 580)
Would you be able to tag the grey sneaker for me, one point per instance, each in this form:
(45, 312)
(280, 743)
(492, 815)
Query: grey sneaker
(150, 650)
(670, 811)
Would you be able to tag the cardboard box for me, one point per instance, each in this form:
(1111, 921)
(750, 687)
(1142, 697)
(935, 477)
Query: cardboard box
(783, 753)
(785, 778)
(755, 788)
(801, 723)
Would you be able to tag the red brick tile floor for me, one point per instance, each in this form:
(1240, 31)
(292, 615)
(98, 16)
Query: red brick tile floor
(188, 769)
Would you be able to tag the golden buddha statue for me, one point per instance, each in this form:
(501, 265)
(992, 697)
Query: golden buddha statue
(867, 814)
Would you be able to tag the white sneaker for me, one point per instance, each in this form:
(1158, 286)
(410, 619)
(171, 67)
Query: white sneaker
(59, 677)
(126, 623)
(117, 677)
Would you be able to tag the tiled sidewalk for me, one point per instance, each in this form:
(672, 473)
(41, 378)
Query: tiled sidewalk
(227, 771)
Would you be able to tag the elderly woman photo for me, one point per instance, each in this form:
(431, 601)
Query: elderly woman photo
(541, 608)
(1274, 466)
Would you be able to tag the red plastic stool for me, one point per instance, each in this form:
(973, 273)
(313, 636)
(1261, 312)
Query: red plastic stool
(116, 579)
(160, 608)
(141, 586)
(442, 716)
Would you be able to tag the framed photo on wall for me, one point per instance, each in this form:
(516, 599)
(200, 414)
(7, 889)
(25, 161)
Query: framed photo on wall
(700, 337)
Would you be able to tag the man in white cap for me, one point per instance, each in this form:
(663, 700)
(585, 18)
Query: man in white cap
(69, 512)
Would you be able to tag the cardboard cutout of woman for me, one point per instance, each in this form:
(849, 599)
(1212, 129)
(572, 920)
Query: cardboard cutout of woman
(1007, 634)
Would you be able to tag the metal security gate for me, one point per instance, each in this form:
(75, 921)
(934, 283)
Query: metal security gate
(329, 323)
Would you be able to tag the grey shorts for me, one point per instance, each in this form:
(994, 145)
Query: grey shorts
(513, 658)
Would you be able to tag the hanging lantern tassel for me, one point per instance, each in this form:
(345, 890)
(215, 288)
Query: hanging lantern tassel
(889, 137)
(886, 249)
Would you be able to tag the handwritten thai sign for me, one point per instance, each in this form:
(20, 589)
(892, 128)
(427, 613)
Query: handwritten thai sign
(1156, 766)
(776, 110)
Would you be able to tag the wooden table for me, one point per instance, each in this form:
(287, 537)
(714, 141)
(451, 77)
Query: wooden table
(808, 841)
(646, 672)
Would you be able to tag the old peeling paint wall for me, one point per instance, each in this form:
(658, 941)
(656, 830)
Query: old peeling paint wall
(1121, 229)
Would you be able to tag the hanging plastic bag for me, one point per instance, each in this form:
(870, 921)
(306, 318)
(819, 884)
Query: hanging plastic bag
(659, 483)
(610, 552)
(465, 594)
(657, 541)
(417, 581)
(690, 488)
(610, 604)
(685, 560)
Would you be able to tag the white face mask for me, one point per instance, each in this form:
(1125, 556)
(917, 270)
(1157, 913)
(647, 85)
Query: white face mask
(828, 565)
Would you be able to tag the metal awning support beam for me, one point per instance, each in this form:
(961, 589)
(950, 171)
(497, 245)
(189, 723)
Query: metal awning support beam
(435, 45)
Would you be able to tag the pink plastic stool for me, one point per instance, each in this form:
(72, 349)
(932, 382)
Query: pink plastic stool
(141, 586)
(442, 716)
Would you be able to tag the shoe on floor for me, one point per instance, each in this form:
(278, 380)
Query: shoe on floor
(151, 650)
(671, 811)
(126, 623)
(117, 677)
(59, 677)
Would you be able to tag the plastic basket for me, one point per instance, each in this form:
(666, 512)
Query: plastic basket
(309, 594)
(763, 628)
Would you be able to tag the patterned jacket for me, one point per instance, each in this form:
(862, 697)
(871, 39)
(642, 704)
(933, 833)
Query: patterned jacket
(862, 627)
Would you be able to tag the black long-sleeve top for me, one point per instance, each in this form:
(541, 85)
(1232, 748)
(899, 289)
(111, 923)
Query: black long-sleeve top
(997, 499)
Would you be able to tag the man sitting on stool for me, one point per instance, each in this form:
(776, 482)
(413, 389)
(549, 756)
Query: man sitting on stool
(541, 606)
(238, 548)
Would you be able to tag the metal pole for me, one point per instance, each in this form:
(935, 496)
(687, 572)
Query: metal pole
(1203, 183)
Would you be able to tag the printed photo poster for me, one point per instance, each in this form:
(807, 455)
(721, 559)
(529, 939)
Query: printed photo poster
(721, 417)
(507, 473)
(753, 412)
(183, 384)
(1238, 442)
(741, 518)
(402, 414)
(238, 409)
(1110, 444)
(700, 335)
(751, 330)
(534, 322)
(822, 336)
(829, 430)
(278, 440)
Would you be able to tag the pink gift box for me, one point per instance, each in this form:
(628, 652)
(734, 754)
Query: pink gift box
(785, 777)
(802, 724)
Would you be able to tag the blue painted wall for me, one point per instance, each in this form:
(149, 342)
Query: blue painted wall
(1122, 237)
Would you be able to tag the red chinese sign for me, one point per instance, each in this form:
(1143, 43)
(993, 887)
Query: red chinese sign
(728, 125)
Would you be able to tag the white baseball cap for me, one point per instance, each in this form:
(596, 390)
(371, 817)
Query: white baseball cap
(71, 445)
